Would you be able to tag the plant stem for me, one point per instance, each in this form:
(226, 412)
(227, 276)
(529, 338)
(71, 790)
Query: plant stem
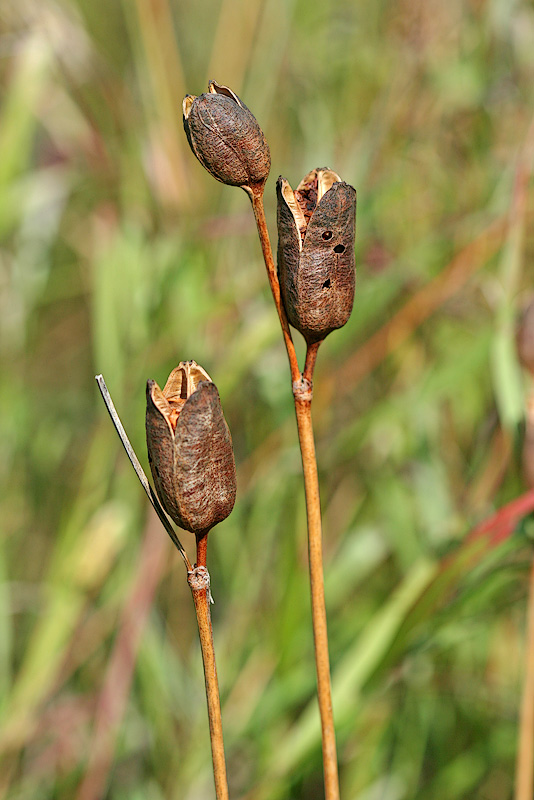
(320, 634)
(199, 582)
(302, 395)
(311, 358)
(256, 197)
(524, 789)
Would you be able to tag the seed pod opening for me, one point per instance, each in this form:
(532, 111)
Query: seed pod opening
(226, 138)
(316, 268)
(190, 449)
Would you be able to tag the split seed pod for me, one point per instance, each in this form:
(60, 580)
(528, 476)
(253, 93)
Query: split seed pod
(190, 449)
(316, 230)
(226, 138)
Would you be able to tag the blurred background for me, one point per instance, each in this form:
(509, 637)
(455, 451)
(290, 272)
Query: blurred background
(119, 254)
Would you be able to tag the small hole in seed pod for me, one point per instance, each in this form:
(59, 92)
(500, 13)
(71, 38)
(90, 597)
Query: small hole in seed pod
(339, 248)
(327, 235)
(326, 284)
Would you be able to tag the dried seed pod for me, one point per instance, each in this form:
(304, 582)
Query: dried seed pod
(226, 138)
(190, 449)
(316, 230)
(525, 338)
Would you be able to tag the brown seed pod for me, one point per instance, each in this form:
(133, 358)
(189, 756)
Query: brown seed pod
(190, 449)
(316, 230)
(226, 138)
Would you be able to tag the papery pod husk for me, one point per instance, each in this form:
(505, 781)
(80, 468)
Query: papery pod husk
(193, 467)
(225, 137)
(317, 283)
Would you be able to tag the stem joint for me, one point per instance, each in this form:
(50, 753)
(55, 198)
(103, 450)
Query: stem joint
(303, 390)
(198, 579)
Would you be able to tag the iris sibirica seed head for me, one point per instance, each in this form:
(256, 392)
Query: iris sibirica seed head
(226, 138)
(316, 269)
(190, 449)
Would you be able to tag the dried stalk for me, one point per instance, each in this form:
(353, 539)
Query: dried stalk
(315, 551)
(302, 395)
(199, 582)
(524, 789)
(256, 197)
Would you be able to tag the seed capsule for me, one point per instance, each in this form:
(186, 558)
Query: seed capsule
(316, 230)
(226, 138)
(190, 449)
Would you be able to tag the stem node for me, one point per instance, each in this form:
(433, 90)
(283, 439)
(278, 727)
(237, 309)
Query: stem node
(199, 579)
(303, 390)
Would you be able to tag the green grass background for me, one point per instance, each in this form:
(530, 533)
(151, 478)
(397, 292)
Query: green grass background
(119, 254)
